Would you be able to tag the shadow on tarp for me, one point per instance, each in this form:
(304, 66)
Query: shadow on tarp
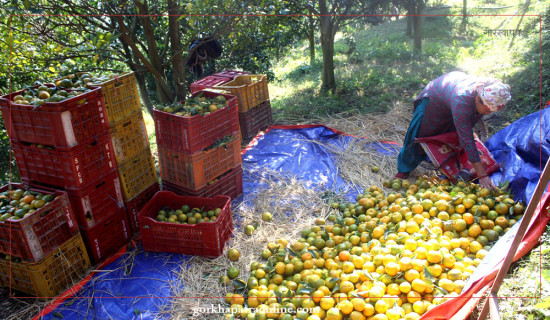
(298, 151)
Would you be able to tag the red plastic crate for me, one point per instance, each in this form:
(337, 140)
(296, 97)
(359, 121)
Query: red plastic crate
(135, 205)
(60, 124)
(66, 167)
(129, 137)
(255, 120)
(192, 134)
(34, 236)
(230, 184)
(205, 239)
(97, 200)
(208, 82)
(107, 237)
(50, 276)
(196, 170)
(231, 74)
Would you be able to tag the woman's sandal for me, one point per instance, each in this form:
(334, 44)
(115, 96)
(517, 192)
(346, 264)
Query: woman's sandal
(402, 175)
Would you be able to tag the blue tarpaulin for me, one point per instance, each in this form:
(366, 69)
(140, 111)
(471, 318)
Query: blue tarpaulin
(299, 151)
(522, 149)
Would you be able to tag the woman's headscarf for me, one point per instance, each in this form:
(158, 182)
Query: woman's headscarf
(493, 93)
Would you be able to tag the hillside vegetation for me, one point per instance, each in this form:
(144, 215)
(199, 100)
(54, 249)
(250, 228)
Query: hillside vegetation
(382, 68)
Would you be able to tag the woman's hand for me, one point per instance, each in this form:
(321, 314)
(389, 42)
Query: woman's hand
(486, 182)
(484, 179)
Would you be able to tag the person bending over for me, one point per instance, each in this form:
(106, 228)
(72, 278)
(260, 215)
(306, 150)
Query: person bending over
(453, 102)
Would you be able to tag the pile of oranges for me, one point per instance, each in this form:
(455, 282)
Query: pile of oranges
(388, 256)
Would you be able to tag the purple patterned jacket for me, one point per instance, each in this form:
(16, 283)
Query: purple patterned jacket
(451, 107)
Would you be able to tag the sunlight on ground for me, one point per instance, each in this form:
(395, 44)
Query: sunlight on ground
(150, 126)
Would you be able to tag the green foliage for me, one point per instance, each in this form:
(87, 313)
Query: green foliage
(528, 83)
(528, 280)
(7, 164)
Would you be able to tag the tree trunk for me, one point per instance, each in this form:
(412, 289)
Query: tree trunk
(525, 8)
(327, 45)
(164, 93)
(159, 81)
(176, 49)
(464, 16)
(311, 38)
(410, 17)
(418, 27)
(140, 78)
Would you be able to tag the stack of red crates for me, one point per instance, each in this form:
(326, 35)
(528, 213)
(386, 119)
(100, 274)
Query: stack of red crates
(136, 168)
(208, 82)
(253, 96)
(62, 149)
(67, 145)
(42, 253)
(192, 160)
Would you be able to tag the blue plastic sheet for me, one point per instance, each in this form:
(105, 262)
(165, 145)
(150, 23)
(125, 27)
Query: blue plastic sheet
(134, 286)
(294, 152)
(301, 151)
(522, 149)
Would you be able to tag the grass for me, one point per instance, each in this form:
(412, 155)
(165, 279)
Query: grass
(525, 290)
(529, 280)
(383, 69)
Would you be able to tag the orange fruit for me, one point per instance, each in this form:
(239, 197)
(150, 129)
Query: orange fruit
(419, 285)
(28, 198)
(487, 224)
(346, 307)
(468, 218)
(356, 315)
(413, 296)
(411, 275)
(475, 246)
(460, 225)
(375, 293)
(474, 230)
(501, 208)
(460, 208)
(333, 314)
(358, 304)
(434, 256)
(377, 232)
(392, 268)
(518, 208)
(327, 303)
(405, 287)
(501, 222)
(417, 208)
(346, 286)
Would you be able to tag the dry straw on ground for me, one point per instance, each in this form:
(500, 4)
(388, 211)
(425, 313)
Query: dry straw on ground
(357, 158)
(294, 205)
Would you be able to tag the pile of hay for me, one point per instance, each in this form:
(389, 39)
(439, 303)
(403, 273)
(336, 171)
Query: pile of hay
(293, 205)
